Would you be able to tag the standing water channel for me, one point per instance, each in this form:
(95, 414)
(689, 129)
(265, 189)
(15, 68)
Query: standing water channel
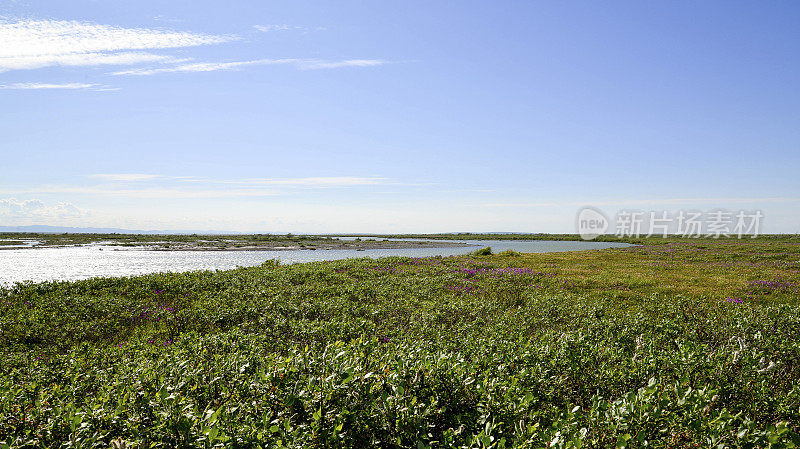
(82, 262)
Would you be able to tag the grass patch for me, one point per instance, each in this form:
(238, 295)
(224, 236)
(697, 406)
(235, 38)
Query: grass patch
(679, 344)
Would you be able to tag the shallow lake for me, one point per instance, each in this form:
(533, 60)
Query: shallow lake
(82, 262)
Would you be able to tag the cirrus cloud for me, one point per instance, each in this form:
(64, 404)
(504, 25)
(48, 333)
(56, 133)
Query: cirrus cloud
(34, 86)
(32, 44)
(303, 64)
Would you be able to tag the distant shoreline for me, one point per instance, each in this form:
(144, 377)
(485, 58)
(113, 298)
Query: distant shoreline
(132, 242)
(357, 246)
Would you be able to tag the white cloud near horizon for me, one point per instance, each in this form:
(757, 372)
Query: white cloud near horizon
(147, 192)
(318, 181)
(31, 44)
(11, 208)
(640, 202)
(178, 187)
(303, 64)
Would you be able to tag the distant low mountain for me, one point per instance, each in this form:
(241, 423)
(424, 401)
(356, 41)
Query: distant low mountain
(44, 229)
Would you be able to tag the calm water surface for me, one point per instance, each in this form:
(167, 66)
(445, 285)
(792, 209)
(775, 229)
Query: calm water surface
(82, 262)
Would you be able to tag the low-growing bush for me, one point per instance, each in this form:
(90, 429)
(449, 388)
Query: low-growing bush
(640, 347)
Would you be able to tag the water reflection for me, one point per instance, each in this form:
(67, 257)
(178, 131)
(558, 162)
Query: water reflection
(72, 263)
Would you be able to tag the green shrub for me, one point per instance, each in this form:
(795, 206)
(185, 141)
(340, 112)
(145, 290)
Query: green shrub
(483, 251)
(509, 253)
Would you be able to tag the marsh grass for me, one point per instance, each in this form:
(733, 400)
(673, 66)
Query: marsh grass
(676, 344)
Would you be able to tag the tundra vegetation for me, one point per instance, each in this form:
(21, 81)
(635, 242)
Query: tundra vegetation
(673, 344)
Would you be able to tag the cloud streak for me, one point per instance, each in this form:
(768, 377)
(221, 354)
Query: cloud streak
(148, 193)
(316, 64)
(37, 86)
(318, 181)
(124, 176)
(650, 202)
(31, 44)
(330, 181)
(303, 64)
(281, 27)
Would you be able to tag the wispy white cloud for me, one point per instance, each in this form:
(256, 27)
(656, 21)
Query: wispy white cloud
(304, 64)
(519, 205)
(329, 181)
(316, 64)
(650, 202)
(145, 192)
(34, 86)
(197, 67)
(282, 27)
(84, 59)
(712, 201)
(316, 181)
(30, 44)
(163, 18)
(124, 176)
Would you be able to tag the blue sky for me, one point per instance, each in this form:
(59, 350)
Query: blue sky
(395, 117)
